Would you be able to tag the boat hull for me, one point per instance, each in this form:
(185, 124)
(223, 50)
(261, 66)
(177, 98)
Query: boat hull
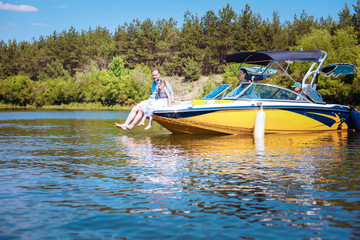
(230, 119)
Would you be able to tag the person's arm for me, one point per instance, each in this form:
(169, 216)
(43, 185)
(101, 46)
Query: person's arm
(171, 92)
(168, 96)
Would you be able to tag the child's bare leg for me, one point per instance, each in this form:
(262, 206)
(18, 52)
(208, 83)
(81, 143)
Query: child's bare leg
(142, 121)
(150, 123)
(136, 119)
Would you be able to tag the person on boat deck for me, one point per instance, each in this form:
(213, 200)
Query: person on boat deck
(297, 88)
(242, 73)
(136, 112)
(164, 99)
(284, 96)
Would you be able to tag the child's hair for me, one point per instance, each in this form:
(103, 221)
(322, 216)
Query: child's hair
(161, 81)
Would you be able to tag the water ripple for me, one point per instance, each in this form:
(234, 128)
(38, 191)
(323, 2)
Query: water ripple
(72, 178)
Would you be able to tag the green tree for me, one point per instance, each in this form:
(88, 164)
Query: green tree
(356, 19)
(225, 37)
(210, 28)
(54, 70)
(98, 45)
(345, 17)
(8, 58)
(191, 37)
(168, 47)
(300, 27)
(248, 30)
(274, 36)
(191, 70)
(117, 66)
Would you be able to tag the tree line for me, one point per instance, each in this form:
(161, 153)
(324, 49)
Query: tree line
(98, 66)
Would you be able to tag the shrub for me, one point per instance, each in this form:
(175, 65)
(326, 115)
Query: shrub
(17, 90)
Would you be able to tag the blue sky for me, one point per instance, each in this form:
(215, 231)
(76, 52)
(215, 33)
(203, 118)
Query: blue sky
(25, 20)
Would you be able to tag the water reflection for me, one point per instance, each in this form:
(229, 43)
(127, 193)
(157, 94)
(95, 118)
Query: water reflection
(84, 179)
(285, 164)
(246, 182)
(158, 161)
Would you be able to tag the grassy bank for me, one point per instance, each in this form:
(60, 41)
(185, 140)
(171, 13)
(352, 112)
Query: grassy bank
(71, 106)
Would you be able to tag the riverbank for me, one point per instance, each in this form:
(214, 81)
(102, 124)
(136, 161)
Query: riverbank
(184, 91)
(71, 106)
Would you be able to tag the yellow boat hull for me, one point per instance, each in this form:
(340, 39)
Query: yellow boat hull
(242, 121)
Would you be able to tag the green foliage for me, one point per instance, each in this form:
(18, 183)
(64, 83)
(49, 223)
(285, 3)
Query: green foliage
(105, 87)
(211, 84)
(17, 90)
(52, 92)
(54, 70)
(191, 70)
(141, 75)
(334, 91)
(229, 76)
(97, 66)
(342, 46)
(117, 66)
(90, 86)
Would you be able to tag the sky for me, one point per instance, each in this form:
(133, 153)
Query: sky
(25, 20)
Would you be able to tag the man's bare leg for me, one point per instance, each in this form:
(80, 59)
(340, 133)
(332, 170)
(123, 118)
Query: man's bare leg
(132, 115)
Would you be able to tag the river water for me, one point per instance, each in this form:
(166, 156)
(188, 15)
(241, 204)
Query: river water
(73, 175)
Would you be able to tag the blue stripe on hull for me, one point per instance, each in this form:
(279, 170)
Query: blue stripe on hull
(327, 116)
(328, 120)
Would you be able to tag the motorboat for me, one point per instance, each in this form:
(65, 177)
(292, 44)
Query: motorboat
(233, 109)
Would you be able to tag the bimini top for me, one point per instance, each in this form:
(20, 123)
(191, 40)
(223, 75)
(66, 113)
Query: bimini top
(264, 58)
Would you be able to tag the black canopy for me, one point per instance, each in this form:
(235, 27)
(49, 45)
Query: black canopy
(264, 58)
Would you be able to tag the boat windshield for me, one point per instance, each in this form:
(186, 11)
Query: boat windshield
(263, 91)
(217, 93)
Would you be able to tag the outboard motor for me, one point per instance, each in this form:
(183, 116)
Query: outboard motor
(354, 120)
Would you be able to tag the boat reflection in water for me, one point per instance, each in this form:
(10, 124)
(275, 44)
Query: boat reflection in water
(233, 164)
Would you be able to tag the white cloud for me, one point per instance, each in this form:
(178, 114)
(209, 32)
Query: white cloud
(20, 8)
(12, 24)
(40, 24)
(62, 6)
